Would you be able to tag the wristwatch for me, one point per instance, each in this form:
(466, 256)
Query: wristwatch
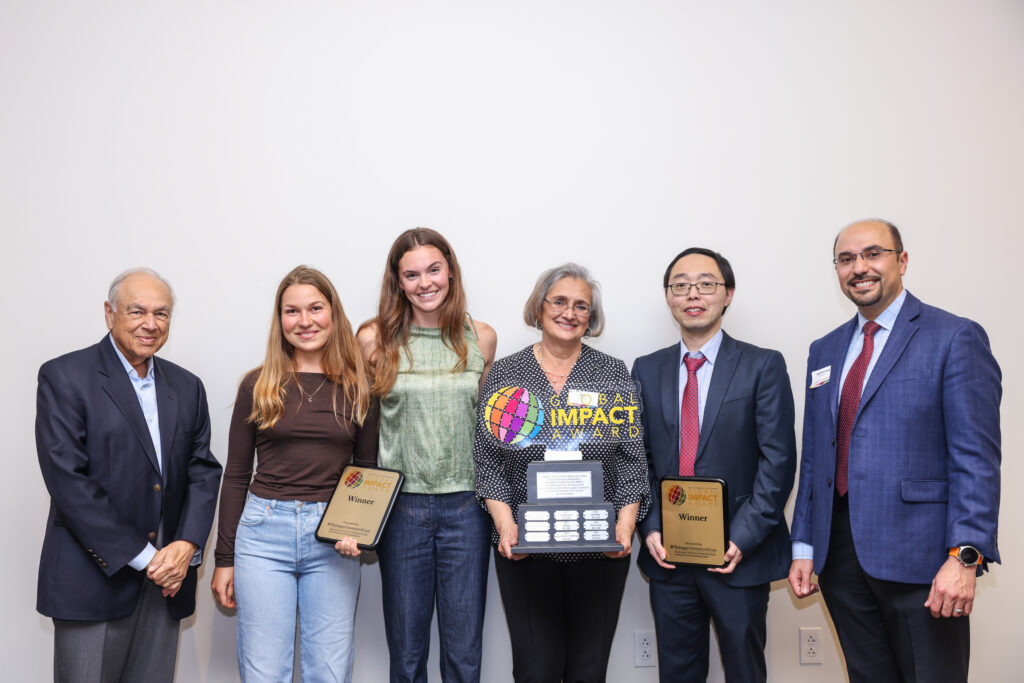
(967, 555)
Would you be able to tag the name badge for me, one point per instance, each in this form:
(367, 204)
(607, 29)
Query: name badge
(820, 377)
(583, 398)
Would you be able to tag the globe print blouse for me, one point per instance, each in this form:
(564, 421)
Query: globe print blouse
(501, 467)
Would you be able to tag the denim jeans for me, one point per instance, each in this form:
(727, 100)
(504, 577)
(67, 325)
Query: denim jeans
(279, 565)
(434, 549)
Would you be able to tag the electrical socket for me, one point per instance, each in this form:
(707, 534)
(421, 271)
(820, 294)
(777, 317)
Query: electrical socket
(644, 648)
(810, 645)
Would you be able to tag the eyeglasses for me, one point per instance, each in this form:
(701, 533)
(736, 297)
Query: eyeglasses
(579, 308)
(683, 288)
(872, 255)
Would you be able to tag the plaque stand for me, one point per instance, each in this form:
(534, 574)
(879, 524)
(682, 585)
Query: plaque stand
(566, 511)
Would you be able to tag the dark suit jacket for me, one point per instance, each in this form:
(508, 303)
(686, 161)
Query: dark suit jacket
(746, 438)
(924, 449)
(107, 495)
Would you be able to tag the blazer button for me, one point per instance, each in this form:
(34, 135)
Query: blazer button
(152, 535)
(828, 483)
(103, 564)
(156, 487)
(833, 442)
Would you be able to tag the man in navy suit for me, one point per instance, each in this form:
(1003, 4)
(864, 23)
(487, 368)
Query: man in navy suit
(123, 440)
(730, 416)
(899, 481)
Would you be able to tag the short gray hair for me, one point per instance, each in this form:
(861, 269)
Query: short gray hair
(534, 307)
(115, 286)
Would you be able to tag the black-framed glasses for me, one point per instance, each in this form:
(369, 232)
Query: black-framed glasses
(872, 255)
(683, 288)
(561, 303)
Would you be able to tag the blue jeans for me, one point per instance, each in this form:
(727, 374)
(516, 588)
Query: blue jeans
(279, 565)
(435, 548)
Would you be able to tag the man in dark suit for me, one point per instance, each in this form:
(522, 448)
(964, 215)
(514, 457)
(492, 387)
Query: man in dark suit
(123, 440)
(716, 407)
(902, 413)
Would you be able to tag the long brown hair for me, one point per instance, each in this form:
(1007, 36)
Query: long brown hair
(343, 364)
(394, 312)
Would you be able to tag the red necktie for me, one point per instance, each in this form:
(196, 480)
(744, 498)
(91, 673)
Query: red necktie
(689, 419)
(848, 404)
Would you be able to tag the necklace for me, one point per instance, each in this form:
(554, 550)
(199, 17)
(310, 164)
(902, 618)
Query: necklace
(309, 396)
(540, 349)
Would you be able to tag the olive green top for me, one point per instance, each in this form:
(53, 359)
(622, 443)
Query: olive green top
(428, 420)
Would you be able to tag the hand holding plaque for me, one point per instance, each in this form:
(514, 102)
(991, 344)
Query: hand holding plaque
(694, 521)
(566, 511)
(360, 506)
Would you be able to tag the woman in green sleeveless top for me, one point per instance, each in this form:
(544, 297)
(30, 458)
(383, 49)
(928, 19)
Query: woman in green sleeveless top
(429, 359)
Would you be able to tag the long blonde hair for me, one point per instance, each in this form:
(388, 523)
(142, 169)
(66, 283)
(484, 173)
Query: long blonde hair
(394, 312)
(342, 363)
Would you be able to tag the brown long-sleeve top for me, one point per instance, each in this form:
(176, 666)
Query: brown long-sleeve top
(299, 458)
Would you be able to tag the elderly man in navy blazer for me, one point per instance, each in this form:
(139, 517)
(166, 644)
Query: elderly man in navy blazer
(716, 407)
(899, 481)
(123, 440)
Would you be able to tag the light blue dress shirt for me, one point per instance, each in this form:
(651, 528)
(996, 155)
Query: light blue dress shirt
(709, 351)
(145, 389)
(886, 319)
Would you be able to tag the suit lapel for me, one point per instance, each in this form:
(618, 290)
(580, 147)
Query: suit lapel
(899, 337)
(666, 388)
(167, 412)
(838, 356)
(725, 366)
(668, 376)
(118, 387)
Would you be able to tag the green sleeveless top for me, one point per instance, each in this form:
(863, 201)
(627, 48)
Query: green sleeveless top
(428, 420)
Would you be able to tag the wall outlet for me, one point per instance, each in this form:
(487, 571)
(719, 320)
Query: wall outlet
(645, 651)
(810, 645)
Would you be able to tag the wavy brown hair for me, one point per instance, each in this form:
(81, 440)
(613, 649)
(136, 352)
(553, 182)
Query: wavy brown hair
(343, 364)
(394, 312)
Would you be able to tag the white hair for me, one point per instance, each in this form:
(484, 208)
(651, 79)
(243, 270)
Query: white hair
(115, 286)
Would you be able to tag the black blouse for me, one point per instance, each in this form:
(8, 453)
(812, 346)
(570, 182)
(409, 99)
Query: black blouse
(501, 470)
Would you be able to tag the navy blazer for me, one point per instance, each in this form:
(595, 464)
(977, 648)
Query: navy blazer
(924, 449)
(746, 438)
(107, 495)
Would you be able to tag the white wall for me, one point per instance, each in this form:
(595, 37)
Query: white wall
(224, 142)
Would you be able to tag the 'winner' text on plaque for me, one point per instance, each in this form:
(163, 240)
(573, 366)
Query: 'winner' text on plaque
(694, 520)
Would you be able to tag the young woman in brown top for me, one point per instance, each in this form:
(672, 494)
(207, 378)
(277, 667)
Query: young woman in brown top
(306, 412)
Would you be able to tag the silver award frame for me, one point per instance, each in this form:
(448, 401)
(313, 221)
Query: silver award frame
(566, 511)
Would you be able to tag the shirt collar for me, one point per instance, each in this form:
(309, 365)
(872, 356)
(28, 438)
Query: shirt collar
(133, 374)
(709, 350)
(886, 318)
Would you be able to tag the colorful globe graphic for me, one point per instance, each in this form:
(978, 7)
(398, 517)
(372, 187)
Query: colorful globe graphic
(354, 479)
(513, 414)
(676, 495)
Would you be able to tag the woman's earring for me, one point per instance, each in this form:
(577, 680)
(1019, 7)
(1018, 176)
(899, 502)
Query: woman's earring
(588, 334)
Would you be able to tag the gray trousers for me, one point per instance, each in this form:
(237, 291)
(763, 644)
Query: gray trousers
(140, 647)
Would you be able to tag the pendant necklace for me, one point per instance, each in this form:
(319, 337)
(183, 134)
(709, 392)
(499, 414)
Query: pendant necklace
(309, 396)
